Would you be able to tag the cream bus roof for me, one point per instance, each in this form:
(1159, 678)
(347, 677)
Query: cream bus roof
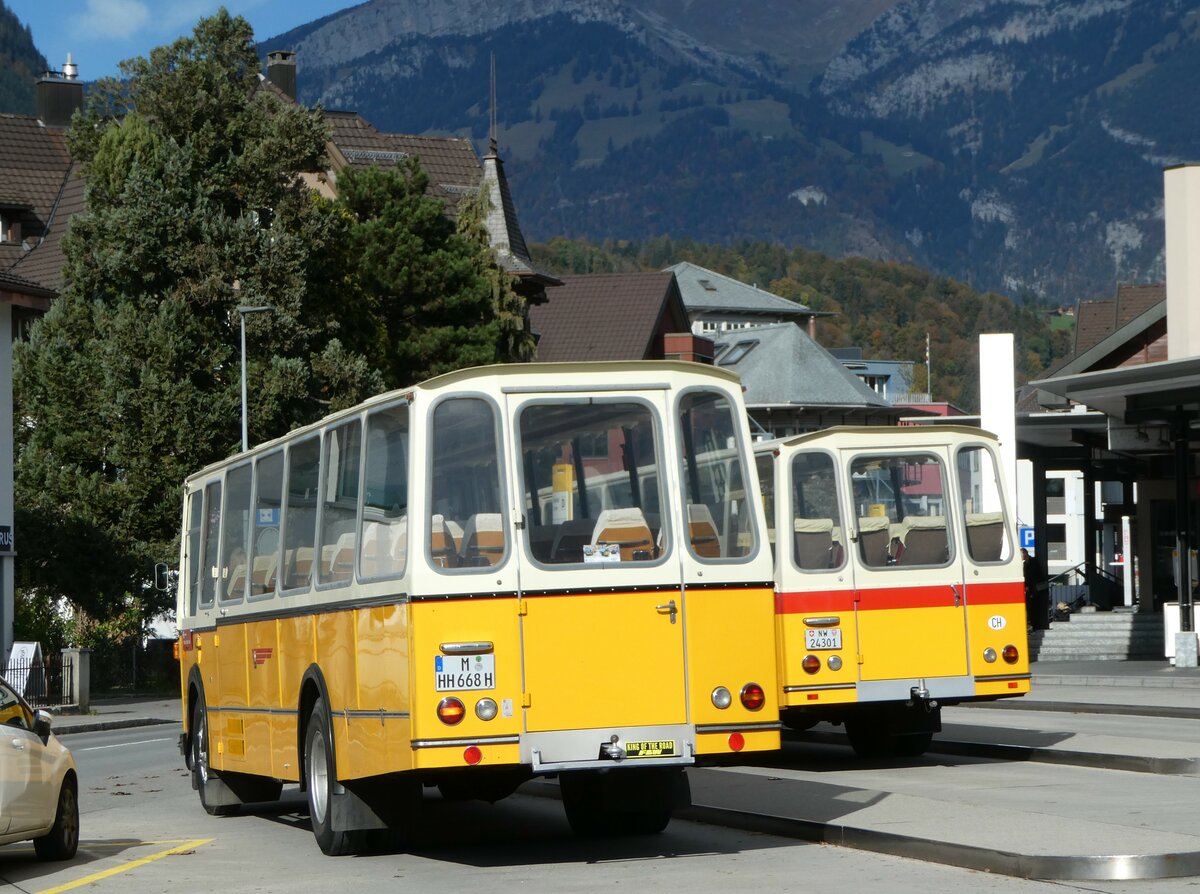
(892, 436)
(551, 376)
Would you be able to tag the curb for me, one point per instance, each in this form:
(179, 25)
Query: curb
(103, 725)
(1098, 867)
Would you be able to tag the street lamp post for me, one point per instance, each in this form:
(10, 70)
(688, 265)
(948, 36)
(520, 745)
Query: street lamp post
(242, 311)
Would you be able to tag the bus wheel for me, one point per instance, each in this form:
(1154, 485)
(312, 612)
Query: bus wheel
(629, 802)
(913, 744)
(202, 773)
(321, 775)
(869, 739)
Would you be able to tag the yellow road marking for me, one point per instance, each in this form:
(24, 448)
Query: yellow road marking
(125, 867)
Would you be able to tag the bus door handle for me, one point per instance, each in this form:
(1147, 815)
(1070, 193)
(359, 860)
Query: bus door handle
(957, 595)
(667, 608)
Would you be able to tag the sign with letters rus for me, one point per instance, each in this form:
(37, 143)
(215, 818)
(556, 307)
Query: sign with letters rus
(6, 539)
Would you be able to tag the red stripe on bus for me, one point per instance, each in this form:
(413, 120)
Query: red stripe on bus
(938, 595)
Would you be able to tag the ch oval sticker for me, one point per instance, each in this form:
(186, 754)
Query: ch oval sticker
(997, 622)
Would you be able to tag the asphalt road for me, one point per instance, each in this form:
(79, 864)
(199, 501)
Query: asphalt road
(144, 831)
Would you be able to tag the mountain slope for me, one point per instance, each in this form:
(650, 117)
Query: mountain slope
(1015, 144)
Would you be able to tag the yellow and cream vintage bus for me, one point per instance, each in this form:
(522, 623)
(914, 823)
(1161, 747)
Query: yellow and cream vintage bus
(501, 573)
(897, 585)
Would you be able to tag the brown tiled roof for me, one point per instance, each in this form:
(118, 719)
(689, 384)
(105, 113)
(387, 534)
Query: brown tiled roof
(611, 316)
(450, 162)
(34, 172)
(44, 264)
(1097, 320)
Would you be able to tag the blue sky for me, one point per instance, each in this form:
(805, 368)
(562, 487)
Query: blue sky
(100, 33)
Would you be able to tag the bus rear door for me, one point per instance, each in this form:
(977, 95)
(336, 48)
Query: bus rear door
(602, 609)
(908, 576)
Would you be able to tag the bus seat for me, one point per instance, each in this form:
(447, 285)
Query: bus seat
(628, 528)
(813, 542)
(298, 567)
(338, 559)
(570, 538)
(262, 579)
(442, 546)
(874, 535)
(985, 536)
(236, 587)
(482, 540)
(925, 541)
(703, 532)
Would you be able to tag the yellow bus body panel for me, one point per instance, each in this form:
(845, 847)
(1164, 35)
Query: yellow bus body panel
(912, 642)
(713, 744)
(983, 621)
(436, 623)
(802, 689)
(613, 659)
(731, 643)
(448, 756)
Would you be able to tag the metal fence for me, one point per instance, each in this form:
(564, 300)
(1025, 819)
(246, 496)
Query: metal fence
(43, 683)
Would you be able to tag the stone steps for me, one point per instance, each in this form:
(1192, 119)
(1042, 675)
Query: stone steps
(1092, 636)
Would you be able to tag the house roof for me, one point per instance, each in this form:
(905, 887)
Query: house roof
(1096, 320)
(609, 316)
(451, 162)
(706, 291)
(781, 366)
(35, 172)
(503, 229)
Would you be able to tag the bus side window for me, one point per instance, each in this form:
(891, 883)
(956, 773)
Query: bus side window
(343, 452)
(234, 530)
(383, 536)
(300, 514)
(466, 482)
(268, 500)
(195, 524)
(211, 537)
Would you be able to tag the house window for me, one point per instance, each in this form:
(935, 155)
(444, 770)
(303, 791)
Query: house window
(737, 353)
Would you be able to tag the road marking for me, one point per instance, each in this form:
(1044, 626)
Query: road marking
(120, 745)
(125, 867)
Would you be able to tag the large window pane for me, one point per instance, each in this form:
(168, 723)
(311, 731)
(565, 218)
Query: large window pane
(383, 538)
(592, 492)
(816, 521)
(235, 533)
(212, 531)
(268, 508)
(466, 528)
(300, 514)
(982, 508)
(900, 504)
(720, 524)
(195, 515)
(339, 511)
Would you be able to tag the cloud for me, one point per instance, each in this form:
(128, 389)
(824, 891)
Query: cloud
(111, 19)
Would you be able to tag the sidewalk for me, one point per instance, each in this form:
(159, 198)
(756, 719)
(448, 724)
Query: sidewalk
(119, 713)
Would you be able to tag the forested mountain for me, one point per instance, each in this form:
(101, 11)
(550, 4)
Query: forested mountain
(20, 65)
(1013, 144)
(887, 309)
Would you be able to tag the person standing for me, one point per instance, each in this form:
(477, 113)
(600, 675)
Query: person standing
(1037, 593)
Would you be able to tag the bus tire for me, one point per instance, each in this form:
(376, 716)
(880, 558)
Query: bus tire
(868, 737)
(912, 744)
(629, 802)
(321, 775)
(204, 775)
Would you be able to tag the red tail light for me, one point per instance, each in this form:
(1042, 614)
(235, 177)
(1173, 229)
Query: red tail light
(472, 755)
(753, 696)
(736, 741)
(1010, 654)
(451, 711)
(811, 664)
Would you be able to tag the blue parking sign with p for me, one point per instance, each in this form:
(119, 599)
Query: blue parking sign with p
(1025, 534)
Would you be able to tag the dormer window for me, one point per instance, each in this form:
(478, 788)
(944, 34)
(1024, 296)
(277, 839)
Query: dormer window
(10, 227)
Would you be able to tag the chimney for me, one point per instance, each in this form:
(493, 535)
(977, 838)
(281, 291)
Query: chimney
(59, 94)
(281, 71)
